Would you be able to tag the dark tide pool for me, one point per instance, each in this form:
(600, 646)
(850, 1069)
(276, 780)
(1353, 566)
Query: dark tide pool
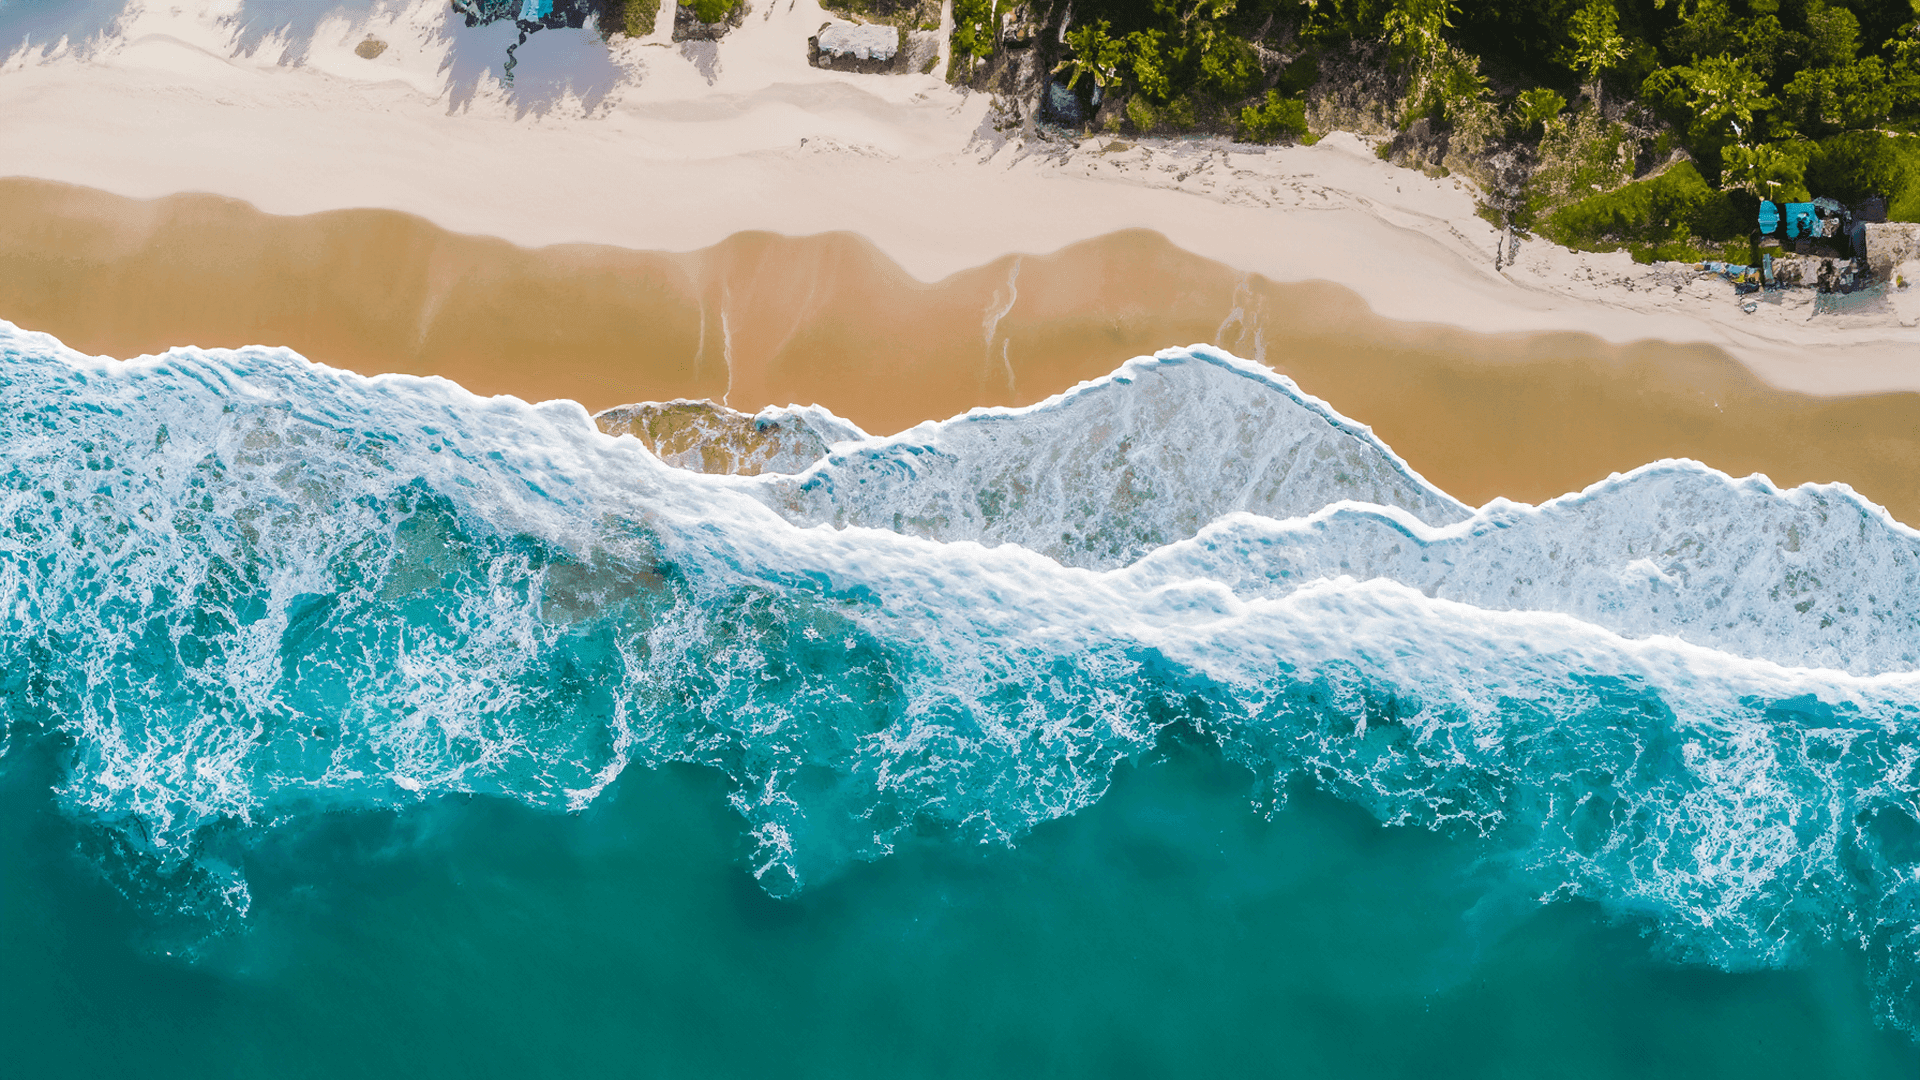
(1166, 931)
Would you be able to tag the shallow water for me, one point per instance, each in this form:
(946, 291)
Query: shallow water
(1171, 726)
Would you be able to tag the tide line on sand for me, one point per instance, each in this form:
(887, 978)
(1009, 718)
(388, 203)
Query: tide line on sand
(832, 320)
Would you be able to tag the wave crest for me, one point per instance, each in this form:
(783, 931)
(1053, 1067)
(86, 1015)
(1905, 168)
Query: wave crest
(245, 588)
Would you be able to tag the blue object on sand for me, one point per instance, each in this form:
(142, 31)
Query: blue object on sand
(1769, 217)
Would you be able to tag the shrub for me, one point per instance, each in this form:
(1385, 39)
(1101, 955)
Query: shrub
(1179, 114)
(1228, 67)
(1536, 108)
(1299, 75)
(711, 11)
(1146, 52)
(1774, 171)
(1715, 100)
(976, 29)
(1660, 210)
(634, 18)
(1278, 118)
(1823, 100)
(1094, 52)
(1834, 33)
(1141, 113)
(1851, 166)
(1449, 86)
(1581, 155)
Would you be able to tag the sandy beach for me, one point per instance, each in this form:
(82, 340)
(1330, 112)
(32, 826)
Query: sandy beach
(676, 147)
(653, 221)
(763, 320)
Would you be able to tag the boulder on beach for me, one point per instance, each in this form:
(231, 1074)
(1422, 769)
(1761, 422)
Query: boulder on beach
(688, 24)
(860, 41)
(1890, 243)
(874, 48)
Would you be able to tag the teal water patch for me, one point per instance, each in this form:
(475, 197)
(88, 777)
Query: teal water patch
(1166, 931)
(252, 608)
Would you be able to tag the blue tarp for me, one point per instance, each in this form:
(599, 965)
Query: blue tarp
(1800, 220)
(535, 10)
(1769, 218)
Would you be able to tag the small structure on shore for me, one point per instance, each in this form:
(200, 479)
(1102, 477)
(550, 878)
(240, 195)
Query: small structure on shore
(1823, 243)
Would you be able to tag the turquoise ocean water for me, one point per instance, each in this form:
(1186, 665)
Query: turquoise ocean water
(1169, 728)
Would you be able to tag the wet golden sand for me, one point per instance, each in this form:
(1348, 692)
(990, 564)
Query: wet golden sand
(760, 319)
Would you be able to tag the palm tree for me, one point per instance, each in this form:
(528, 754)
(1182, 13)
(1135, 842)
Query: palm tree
(1094, 53)
(1597, 44)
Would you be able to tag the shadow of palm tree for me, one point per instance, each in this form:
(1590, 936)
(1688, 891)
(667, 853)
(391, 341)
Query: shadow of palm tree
(292, 23)
(39, 26)
(553, 64)
(548, 65)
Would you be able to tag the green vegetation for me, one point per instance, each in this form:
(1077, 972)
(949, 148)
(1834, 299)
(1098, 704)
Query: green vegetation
(1652, 124)
(634, 18)
(905, 14)
(1279, 118)
(710, 11)
(1663, 216)
(1094, 53)
(1855, 164)
(976, 31)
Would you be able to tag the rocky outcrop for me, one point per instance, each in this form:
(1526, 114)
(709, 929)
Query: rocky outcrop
(1890, 243)
(922, 52)
(872, 48)
(847, 46)
(688, 27)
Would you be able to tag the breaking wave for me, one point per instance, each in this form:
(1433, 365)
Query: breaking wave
(241, 589)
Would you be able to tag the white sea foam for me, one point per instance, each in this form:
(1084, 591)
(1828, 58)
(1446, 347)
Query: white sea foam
(1811, 577)
(1115, 467)
(246, 587)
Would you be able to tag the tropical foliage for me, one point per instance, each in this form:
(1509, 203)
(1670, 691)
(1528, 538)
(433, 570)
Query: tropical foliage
(1756, 98)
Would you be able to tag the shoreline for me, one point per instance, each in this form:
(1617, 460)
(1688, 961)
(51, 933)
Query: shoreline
(766, 320)
(656, 148)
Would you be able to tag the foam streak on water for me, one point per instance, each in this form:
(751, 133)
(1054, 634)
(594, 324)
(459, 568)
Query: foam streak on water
(246, 589)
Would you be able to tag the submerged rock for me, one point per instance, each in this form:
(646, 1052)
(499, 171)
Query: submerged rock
(703, 437)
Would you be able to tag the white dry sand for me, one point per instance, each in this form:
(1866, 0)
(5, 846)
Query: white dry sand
(657, 145)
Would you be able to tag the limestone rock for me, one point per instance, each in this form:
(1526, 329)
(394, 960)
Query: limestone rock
(688, 27)
(1890, 243)
(873, 48)
(922, 52)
